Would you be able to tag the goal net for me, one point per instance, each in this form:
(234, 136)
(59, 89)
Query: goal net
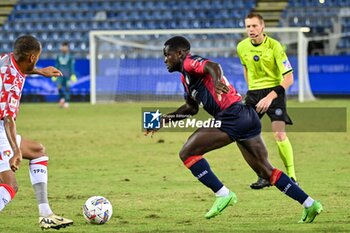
(129, 65)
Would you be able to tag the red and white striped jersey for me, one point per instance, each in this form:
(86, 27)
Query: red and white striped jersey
(11, 85)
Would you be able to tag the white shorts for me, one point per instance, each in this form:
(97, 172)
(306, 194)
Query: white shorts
(6, 152)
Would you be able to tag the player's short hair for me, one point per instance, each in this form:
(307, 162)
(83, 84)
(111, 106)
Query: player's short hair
(25, 45)
(65, 43)
(255, 15)
(178, 42)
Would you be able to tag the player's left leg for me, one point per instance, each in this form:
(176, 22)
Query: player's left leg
(200, 142)
(66, 93)
(255, 153)
(38, 161)
(284, 147)
(8, 184)
(60, 88)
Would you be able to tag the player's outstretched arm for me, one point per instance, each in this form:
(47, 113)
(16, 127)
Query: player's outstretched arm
(49, 71)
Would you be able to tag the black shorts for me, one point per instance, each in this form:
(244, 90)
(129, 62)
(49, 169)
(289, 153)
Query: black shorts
(277, 110)
(239, 121)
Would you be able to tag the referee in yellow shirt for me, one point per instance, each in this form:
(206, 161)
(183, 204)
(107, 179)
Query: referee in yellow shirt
(268, 74)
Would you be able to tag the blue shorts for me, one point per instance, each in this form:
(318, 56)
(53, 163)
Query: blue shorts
(239, 121)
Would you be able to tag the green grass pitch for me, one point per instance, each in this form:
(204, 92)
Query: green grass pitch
(100, 150)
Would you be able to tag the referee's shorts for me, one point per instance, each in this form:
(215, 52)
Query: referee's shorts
(277, 110)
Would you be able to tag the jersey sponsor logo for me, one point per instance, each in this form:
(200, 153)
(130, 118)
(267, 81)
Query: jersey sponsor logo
(256, 58)
(255, 51)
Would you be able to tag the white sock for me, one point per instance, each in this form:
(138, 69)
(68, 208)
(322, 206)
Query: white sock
(5, 197)
(222, 192)
(38, 177)
(308, 202)
(38, 170)
(45, 210)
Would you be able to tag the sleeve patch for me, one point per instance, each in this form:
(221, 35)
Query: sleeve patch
(287, 64)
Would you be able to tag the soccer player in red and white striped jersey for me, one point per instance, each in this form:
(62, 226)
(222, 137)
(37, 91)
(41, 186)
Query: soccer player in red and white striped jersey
(13, 69)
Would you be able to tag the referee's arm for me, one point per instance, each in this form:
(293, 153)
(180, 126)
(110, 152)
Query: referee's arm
(288, 80)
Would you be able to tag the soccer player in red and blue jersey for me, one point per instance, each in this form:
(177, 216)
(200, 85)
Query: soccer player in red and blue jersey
(13, 69)
(205, 84)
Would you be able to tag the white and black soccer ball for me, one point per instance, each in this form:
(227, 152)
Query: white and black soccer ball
(97, 210)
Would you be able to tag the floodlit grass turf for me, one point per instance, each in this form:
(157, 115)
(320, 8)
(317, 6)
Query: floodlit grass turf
(100, 150)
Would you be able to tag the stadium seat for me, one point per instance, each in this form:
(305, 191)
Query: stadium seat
(55, 21)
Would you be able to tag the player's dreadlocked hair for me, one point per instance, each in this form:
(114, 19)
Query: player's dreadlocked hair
(25, 45)
(178, 42)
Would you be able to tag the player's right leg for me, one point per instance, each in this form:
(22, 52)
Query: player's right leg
(201, 141)
(38, 161)
(255, 153)
(60, 88)
(8, 184)
(66, 94)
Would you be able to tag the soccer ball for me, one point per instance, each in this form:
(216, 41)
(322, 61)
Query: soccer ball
(97, 210)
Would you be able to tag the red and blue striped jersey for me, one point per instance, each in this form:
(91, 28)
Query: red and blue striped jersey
(200, 86)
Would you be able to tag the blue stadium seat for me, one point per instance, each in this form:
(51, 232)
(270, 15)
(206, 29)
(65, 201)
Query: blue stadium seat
(319, 17)
(54, 21)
